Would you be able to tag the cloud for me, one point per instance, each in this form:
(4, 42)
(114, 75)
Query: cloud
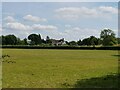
(44, 27)
(0, 28)
(80, 12)
(69, 33)
(22, 30)
(34, 18)
(108, 9)
(9, 19)
(67, 26)
(20, 26)
(76, 33)
(17, 26)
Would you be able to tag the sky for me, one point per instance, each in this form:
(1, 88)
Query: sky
(60, 0)
(69, 20)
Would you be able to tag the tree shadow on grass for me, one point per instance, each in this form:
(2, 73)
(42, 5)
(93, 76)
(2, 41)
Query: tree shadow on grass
(108, 81)
(116, 56)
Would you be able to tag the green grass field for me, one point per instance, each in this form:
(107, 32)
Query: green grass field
(0, 75)
(40, 68)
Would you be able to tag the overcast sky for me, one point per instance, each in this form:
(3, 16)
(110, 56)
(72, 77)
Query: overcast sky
(72, 21)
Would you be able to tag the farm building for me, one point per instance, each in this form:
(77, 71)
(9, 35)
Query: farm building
(57, 42)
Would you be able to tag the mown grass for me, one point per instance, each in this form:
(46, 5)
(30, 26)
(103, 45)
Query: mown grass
(36, 68)
(0, 75)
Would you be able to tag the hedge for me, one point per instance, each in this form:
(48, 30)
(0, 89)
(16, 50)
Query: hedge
(61, 47)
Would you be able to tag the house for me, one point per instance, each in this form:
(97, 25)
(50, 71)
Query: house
(57, 42)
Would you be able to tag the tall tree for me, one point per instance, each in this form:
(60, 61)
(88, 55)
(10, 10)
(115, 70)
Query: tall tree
(25, 41)
(79, 42)
(108, 37)
(118, 40)
(47, 38)
(48, 41)
(72, 43)
(85, 41)
(0, 40)
(10, 40)
(35, 39)
(93, 40)
(107, 32)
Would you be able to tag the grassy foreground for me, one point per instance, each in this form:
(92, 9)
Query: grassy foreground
(36, 68)
(0, 75)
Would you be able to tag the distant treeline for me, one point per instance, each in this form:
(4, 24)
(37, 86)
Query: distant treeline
(107, 38)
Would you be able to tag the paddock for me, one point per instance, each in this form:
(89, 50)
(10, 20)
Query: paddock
(48, 68)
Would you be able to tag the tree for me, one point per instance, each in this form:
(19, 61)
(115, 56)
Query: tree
(72, 43)
(79, 42)
(25, 41)
(93, 41)
(0, 40)
(47, 38)
(85, 42)
(19, 42)
(108, 37)
(107, 32)
(99, 41)
(118, 40)
(3, 40)
(109, 41)
(43, 41)
(48, 41)
(10, 40)
(35, 39)
(67, 43)
(39, 39)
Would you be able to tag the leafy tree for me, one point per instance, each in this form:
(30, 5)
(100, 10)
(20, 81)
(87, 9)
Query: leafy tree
(35, 39)
(99, 41)
(85, 41)
(3, 40)
(43, 41)
(39, 39)
(48, 40)
(67, 43)
(93, 40)
(107, 32)
(32, 43)
(79, 42)
(25, 41)
(72, 43)
(0, 40)
(118, 40)
(108, 37)
(19, 42)
(10, 40)
(109, 41)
